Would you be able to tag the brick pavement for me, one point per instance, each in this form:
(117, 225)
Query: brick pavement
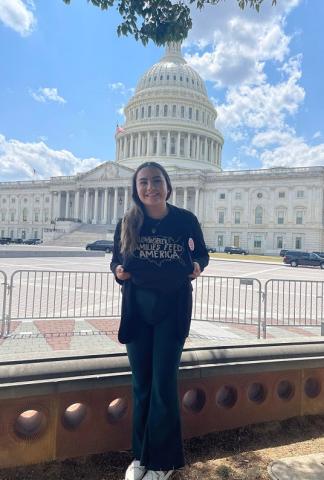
(65, 336)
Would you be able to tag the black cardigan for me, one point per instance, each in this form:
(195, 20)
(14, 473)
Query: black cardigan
(163, 262)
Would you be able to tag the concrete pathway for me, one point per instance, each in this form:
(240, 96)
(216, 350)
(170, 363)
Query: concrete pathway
(306, 467)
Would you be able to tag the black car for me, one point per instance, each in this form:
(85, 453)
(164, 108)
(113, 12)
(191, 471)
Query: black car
(320, 254)
(211, 249)
(238, 250)
(283, 252)
(310, 259)
(103, 245)
(32, 241)
(5, 240)
(289, 253)
(17, 240)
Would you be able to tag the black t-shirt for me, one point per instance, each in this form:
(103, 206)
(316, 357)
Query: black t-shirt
(166, 251)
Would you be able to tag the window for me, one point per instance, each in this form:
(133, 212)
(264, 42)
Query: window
(259, 195)
(4, 200)
(157, 110)
(142, 112)
(220, 241)
(23, 234)
(197, 115)
(222, 196)
(163, 145)
(46, 215)
(35, 233)
(165, 111)
(173, 145)
(237, 218)
(190, 113)
(3, 217)
(236, 241)
(257, 241)
(12, 216)
(136, 114)
(281, 195)
(47, 199)
(182, 143)
(298, 243)
(258, 215)
(149, 111)
(237, 195)
(36, 217)
(13, 200)
(25, 200)
(281, 217)
(174, 110)
(155, 145)
(279, 242)
(182, 111)
(24, 214)
(221, 217)
(300, 194)
(299, 217)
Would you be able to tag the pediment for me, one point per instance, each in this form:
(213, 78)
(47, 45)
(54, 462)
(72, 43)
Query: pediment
(107, 171)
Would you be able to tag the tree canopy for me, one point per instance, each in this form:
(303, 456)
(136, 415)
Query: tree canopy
(160, 20)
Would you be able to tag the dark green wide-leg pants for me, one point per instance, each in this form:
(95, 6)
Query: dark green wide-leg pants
(154, 356)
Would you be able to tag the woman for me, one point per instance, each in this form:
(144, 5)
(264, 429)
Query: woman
(158, 249)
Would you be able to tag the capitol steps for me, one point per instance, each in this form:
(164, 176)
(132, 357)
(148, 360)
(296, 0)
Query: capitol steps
(86, 233)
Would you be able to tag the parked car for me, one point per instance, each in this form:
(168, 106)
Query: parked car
(17, 240)
(310, 259)
(283, 252)
(32, 241)
(211, 249)
(103, 245)
(238, 250)
(5, 240)
(320, 254)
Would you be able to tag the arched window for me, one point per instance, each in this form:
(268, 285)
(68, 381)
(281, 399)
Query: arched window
(157, 110)
(149, 111)
(258, 215)
(165, 111)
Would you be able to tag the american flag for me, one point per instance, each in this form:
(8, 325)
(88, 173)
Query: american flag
(119, 129)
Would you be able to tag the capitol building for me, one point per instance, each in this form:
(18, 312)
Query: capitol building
(171, 120)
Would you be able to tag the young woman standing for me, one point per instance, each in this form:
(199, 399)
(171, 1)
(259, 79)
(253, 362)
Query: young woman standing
(158, 250)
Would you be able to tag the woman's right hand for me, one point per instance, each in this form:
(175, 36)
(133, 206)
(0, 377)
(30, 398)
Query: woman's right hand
(121, 274)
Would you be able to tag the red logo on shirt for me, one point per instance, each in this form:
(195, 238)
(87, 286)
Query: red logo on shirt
(191, 244)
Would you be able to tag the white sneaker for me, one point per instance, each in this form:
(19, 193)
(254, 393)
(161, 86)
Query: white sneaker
(157, 475)
(135, 471)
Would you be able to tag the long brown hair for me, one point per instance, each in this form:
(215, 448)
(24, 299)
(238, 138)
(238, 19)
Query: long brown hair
(133, 219)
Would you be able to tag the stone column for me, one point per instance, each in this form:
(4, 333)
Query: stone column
(168, 144)
(178, 144)
(58, 206)
(158, 142)
(139, 140)
(206, 149)
(198, 147)
(196, 201)
(86, 206)
(105, 209)
(188, 145)
(114, 220)
(174, 196)
(131, 152)
(67, 204)
(185, 197)
(125, 199)
(95, 209)
(76, 204)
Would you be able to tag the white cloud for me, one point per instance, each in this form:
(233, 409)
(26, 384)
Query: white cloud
(18, 15)
(47, 94)
(18, 159)
(121, 88)
(317, 134)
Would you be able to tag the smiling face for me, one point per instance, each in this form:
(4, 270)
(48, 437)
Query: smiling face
(152, 189)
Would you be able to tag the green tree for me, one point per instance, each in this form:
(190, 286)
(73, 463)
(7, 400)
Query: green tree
(160, 20)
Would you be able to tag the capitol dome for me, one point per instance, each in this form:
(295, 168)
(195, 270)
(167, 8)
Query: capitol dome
(170, 119)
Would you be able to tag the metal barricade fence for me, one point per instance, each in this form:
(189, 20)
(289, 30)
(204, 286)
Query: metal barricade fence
(293, 303)
(3, 298)
(63, 294)
(229, 300)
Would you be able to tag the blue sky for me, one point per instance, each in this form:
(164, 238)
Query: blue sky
(65, 76)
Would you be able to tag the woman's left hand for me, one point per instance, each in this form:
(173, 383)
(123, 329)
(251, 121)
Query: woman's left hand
(196, 272)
